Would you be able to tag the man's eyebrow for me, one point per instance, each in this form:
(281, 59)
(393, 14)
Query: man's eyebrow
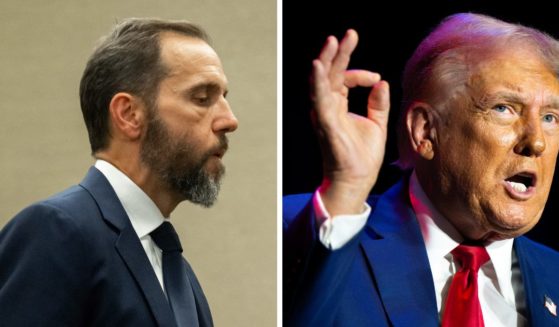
(552, 101)
(489, 99)
(206, 87)
(507, 96)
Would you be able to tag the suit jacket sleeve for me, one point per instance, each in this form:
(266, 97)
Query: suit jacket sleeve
(313, 275)
(43, 269)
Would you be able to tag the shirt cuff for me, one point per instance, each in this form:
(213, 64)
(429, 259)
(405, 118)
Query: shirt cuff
(335, 233)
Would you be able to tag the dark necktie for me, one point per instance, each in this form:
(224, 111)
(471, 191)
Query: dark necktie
(462, 308)
(175, 276)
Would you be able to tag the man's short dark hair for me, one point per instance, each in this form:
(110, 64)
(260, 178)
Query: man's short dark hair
(127, 60)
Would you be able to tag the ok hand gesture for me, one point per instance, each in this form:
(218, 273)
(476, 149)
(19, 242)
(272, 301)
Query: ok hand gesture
(352, 145)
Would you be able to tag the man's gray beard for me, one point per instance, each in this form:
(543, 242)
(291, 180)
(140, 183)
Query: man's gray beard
(172, 160)
(195, 185)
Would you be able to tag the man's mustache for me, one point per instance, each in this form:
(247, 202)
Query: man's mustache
(221, 147)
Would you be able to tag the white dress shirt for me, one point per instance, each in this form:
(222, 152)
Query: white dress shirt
(335, 233)
(500, 288)
(140, 208)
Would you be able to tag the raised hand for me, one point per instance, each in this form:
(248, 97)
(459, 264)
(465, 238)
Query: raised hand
(352, 145)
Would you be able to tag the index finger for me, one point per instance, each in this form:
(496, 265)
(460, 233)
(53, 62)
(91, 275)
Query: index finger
(360, 77)
(328, 52)
(341, 60)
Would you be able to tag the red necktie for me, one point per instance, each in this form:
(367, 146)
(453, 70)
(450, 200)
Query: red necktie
(462, 306)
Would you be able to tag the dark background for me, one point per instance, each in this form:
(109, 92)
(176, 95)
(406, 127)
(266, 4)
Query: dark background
(388, 34)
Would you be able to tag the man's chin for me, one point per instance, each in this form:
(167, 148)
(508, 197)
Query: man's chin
(201, 188)
(507, 230)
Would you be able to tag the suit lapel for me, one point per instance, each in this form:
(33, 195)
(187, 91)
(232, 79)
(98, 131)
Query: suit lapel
(130, 249)
(128, 245)
(399, 263)
(537, 281)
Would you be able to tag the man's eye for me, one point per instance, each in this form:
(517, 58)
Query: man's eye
(549, 118)
(202, 100)
(501, 108)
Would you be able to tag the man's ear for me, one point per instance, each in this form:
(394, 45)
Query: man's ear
(420, 125)
(128, 116)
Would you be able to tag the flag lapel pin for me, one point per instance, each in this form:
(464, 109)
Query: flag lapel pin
(551, 307)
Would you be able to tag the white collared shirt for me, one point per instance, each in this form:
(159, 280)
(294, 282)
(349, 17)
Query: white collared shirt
(496, 284)
(140, 208)
(335, 233)
(501, 293)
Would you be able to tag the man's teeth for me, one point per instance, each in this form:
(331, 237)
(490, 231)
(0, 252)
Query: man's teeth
(518, 187)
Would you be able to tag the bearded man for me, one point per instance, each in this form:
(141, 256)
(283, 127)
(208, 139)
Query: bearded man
(103, 253)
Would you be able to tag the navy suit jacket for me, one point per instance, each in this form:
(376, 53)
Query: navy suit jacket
(382, 276)
(75, 260)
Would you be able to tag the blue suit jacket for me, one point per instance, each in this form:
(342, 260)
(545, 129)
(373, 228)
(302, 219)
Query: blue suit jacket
(75, 260)
(382, 276)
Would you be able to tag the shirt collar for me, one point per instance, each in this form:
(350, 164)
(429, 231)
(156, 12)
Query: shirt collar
(144, 215)
(441, 237)
(500, 253)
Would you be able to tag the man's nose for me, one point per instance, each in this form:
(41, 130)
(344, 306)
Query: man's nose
(532, 138)
(225, 122)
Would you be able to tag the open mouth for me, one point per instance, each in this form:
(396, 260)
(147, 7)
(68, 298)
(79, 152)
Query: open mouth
(522, 182)
(221, 152)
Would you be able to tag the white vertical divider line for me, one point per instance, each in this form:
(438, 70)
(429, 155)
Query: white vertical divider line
(279, 95)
